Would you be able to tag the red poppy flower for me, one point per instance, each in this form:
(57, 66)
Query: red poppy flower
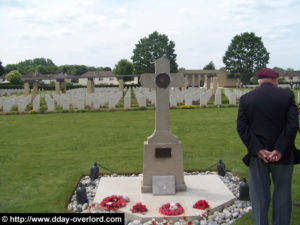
(201, 204)
(139, 207)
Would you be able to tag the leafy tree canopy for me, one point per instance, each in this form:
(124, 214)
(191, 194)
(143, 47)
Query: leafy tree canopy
(1, 69)
(14, 77)
(150, 48)
(10, 67)
(124, 67)
(210, 66)
(245, 56)
(106, 69)
(75, 70)
(29, 65)
(46, 66)
(278, 68)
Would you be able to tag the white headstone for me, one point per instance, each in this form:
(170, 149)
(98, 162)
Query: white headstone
(141, 99)
(7, 105)
(80, 99)
(188, 98)
(173, 100)
(96, 102)
(203, 101)
(232, 98)
(65, 102)
(218, 97)
(50, 103)
(36, 103)
(21, 101)
(1, 102)
(127, 99)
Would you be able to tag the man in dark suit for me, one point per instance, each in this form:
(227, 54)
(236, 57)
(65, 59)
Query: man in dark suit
(267, 124)
(297, 203)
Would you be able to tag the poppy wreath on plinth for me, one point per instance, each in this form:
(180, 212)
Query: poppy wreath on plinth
(171, 209)
(113, 202)
(202, 204)
(139, 207)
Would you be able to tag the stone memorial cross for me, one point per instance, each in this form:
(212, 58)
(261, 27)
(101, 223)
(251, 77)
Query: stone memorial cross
(163, 159)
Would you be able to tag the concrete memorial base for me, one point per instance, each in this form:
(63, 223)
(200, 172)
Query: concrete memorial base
(164, 159)
(199, 187)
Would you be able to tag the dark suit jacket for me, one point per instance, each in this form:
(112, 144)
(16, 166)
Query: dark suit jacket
(268, 119)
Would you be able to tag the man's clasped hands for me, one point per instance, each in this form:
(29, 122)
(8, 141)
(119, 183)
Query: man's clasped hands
(267, 156)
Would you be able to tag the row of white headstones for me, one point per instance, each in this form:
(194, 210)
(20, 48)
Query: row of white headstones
(11, 91)
(80, 99)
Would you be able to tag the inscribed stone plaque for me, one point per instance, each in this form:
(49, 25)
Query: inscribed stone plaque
(163, 185)
(163, 153)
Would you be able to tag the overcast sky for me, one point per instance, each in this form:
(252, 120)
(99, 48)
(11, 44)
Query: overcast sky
(101, 32)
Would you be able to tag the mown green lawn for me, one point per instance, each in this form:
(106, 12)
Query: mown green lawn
(42, 156)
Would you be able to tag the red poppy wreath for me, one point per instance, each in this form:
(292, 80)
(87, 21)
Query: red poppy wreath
(113, 202)
(171, 209)
(139, 207)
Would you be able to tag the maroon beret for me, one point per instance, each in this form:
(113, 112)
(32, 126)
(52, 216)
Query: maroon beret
(267, 73)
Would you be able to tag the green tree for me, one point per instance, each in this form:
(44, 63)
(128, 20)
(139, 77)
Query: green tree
(75, 70)
(10, 67)
(281, 80)
(210, 66)
(150, 48)
(245, 56)
(42, 61)
(41, 69)
(1, 69)
(14, 77)
(31, 65)
(124, 67)
(278, 68)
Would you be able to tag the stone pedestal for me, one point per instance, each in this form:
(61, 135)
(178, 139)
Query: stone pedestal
(163, 159)
(121, 85)
(186, 82)
(215, 85)
(26, 89)
(57, 87)
(208, 83)
(64, 86)
(35, 88)
(90, 85)
(193, 80)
